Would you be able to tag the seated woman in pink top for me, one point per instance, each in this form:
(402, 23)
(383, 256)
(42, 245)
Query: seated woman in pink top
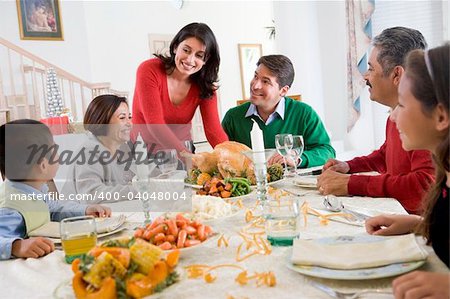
(170, 88)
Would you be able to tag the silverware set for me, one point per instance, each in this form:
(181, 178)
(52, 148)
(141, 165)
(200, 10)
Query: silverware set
(347, 295)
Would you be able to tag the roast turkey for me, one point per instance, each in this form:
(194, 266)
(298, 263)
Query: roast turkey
(226, 158)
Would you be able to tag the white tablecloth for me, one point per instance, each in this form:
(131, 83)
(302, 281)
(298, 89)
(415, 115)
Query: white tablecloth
(38, 278)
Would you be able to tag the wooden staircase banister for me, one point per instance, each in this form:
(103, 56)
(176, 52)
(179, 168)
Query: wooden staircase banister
(29, 86)
(101, 85)
(44, 62)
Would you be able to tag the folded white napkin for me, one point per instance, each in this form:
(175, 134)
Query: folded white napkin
(103, 225)
(357, 252)
(306, 181)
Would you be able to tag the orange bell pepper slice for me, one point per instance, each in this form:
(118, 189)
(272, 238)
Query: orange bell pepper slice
(172, 258)
(107, 291)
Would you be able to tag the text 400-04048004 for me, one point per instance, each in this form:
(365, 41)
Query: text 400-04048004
(168, 195)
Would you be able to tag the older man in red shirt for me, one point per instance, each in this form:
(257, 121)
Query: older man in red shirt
(404, 175)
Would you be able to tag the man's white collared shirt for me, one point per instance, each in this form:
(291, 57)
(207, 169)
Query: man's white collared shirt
(278, 111)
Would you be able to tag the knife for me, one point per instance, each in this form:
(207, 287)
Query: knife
(314, 172)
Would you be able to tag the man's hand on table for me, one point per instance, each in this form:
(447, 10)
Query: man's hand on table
(98, 211)
(32, 247)
(386, 225)
(420, 284)
(277, 158)
(332, 182)
(336, 165)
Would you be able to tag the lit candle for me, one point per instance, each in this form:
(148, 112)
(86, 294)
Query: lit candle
(142, 170)
(257, 138)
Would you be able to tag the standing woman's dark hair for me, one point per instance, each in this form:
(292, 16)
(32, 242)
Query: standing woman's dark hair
(429, 75)
(207, 77)
(100, 111)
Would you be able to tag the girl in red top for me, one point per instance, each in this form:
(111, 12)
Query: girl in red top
(423, 120)
(170, 88)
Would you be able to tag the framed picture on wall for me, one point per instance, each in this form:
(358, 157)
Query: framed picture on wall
(248, 57)
(39, 19)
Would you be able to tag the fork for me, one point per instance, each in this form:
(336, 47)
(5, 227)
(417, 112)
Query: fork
(347, 295)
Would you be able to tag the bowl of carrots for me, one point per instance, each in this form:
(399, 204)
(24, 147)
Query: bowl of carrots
(171, 233)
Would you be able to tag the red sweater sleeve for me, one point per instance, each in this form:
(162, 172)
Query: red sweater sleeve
(404, 175)
(211, 123)
(148, 106)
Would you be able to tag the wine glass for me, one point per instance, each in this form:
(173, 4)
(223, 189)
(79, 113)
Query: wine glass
(167, 160)
(283, 143)
(296, 152)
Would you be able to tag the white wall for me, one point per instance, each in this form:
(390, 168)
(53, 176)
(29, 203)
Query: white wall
(105, 41)
(313, 35)
(70, 54)
(118, 36)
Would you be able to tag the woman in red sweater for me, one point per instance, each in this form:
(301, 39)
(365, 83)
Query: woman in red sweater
(170, 88)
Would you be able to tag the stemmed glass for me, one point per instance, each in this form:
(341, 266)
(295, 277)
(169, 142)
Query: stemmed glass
(283, 143)
(167, 160)
(296, 152)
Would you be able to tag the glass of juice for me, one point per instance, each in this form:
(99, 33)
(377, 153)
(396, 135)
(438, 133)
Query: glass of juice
(78, 236)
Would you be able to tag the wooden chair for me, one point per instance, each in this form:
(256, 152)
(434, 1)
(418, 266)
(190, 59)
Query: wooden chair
(297, 97)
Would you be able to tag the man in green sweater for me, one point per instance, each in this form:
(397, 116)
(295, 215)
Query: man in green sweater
(277, 114)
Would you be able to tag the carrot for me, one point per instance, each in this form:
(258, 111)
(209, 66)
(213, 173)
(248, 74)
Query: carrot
(170, 238)
(159, 229)
(160, 237)
(165, 246)
(181, 238)
(146, 235)
(139, 233)
(208, 230)
(225, 194)
(228, 187)
(181, 217)
(155, 223)
(191, 242)
(190, 230)
(201, 232)
(172, 224)
(213, 189)
(195, 223)
(180, 223)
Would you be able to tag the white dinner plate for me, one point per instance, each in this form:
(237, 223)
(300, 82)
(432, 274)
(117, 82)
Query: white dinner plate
(352, 274)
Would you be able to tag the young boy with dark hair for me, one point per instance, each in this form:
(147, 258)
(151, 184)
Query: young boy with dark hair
(28, 160)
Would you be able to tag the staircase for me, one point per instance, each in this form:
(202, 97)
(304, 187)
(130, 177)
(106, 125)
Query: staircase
(23, 91)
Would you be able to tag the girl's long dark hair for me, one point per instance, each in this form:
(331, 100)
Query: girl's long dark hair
(207, 78)
(432, 89)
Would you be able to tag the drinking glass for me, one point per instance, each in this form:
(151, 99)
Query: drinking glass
(168, 161)
(281, 221)
(78, 236)
(296, 152)
(283, 143)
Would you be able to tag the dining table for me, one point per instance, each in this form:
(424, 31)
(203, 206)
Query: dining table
(44, 277)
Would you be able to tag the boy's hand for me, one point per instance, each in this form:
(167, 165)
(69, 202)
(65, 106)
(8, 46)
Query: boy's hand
(98, 211)
(33, 247)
